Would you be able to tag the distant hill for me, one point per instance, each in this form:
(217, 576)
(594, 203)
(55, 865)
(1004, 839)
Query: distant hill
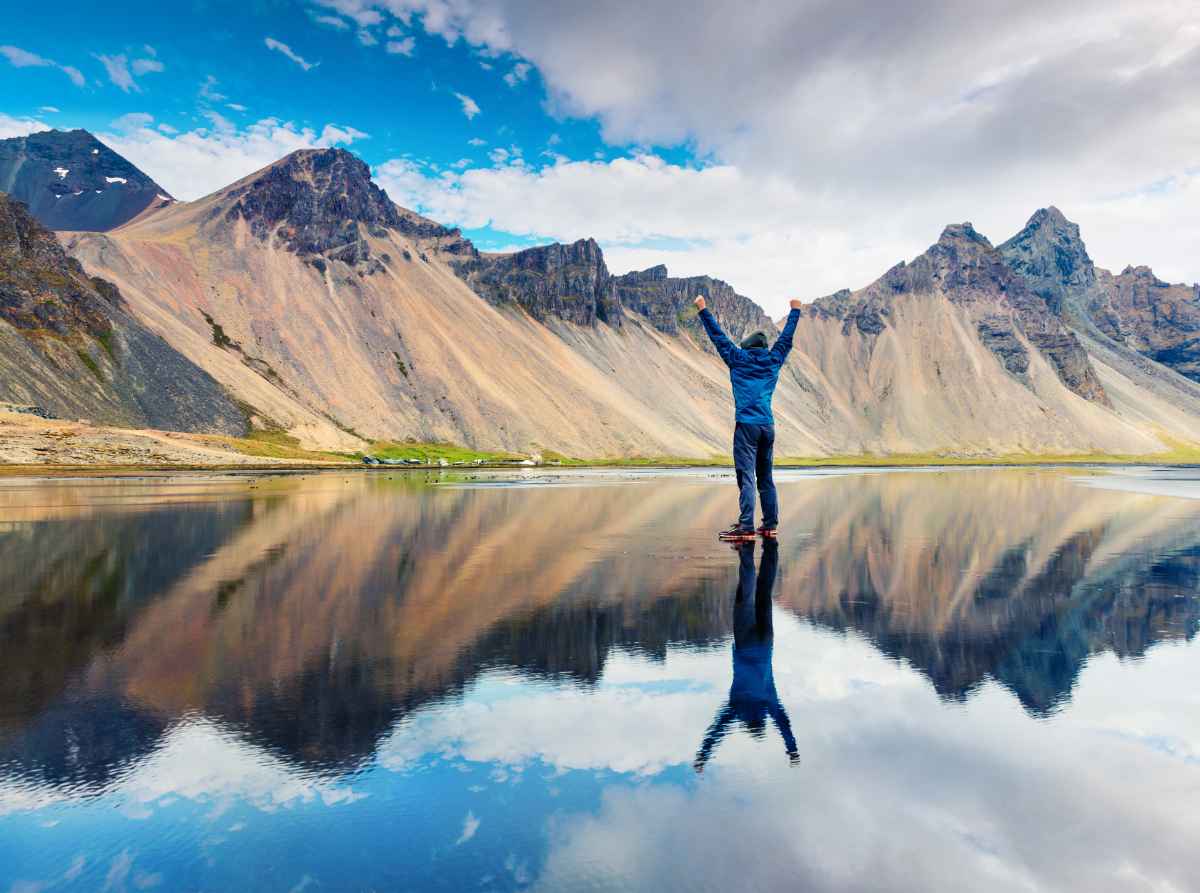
(332, 313)
(69, 345)
(72, 181)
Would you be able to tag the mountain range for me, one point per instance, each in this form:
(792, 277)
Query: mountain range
(324, 310)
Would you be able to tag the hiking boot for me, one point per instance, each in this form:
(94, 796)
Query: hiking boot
(736, 533)
(768, 533)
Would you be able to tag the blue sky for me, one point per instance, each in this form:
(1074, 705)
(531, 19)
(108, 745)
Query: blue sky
(795, 151)
(213, 58)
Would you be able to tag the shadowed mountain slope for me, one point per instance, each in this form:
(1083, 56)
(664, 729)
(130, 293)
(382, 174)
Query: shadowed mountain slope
(72, 181)
(69, 345)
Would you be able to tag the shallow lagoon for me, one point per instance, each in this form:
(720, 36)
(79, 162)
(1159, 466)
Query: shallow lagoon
(968, 679)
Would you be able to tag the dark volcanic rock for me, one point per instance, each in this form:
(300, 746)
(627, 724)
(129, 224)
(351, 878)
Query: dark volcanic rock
(1135, 309)
(1157, 319)
(572, 282)
(68, 344)
(667, 303)
(1052, 259)
(569, 282)
(999, 335)
(321, 201)
(72, 181)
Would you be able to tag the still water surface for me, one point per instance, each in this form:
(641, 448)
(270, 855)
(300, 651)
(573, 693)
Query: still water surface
(940, 680)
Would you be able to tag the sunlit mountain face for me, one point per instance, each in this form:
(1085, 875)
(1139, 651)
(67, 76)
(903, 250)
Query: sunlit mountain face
(197, 670)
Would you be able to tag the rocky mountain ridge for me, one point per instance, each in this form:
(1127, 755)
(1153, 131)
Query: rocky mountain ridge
(322, 203)
(667, 302)
(374, 322)
(71, 181)
(972, 274)
(573, 283)
(568, 282)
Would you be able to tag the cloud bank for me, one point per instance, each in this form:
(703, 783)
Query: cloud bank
(886, 122)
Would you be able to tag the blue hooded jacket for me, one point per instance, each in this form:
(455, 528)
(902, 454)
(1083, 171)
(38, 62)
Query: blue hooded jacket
(754, 372)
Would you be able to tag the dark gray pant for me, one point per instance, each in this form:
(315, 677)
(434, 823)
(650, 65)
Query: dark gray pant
(753, 455)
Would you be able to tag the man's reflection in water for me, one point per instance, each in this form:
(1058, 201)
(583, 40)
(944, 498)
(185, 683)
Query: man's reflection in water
(752, 696)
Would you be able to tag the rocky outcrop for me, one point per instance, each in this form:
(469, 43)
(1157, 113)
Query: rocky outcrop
(667, 303)
(72, 181)
(321, 202)
(1135, 309)
(568, 282)
(68, 344)
(1049, 255)
(1157, 319)
(572, 282)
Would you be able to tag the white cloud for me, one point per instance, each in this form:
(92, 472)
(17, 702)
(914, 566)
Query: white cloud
(880, 131)
(332, 135)
(145, 66)
(20, 58)
(118, 71)
(236, 106)
(197, 162)
(476, 141)
(208, 90)
(48, 109)
(367, 38)
(219, 121)
(403, 47)
(133, 121)
(200, 761)
(362, 12)
(759, 232)
(519, 74)
(332, 21)
(470, 826)
(279, 46)
(646, 211)
(10, 126)
(469, 106)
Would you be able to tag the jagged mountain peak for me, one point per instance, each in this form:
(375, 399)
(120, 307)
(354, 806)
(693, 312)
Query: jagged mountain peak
(1141, 271)
(72, 181)
(319, 202)
(963, 232)
(1050, 255)
(657, 273)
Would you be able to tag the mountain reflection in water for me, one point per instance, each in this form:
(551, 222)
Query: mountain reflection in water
(314, 617)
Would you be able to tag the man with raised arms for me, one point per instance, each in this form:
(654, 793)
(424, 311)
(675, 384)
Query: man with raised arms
(753, 372)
